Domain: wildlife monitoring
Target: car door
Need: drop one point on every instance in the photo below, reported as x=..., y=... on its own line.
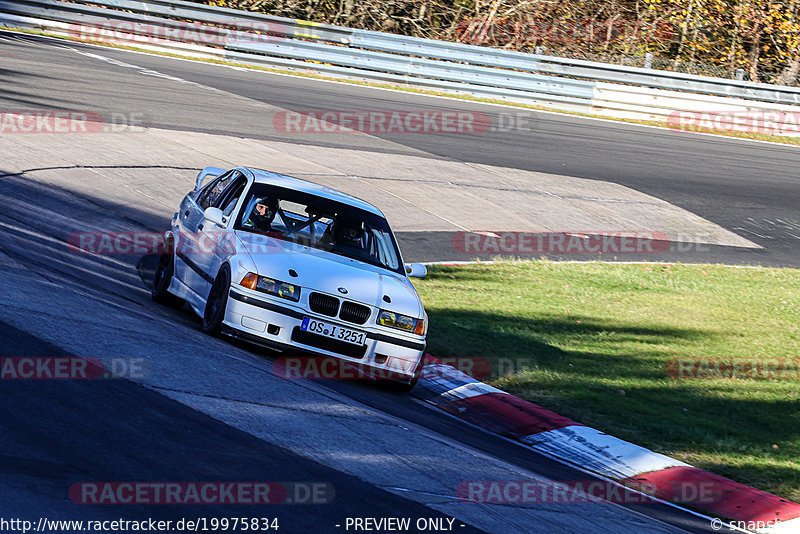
x=190, y=246
x=217, y=243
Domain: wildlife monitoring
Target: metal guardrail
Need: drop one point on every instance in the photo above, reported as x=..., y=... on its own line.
x=299, y=41
x=607, y=72
x=278, y=41
x=476, y=55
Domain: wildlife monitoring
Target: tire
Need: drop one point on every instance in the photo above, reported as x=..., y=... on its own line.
x=164, y=273
x=405, y=387
x=217, y=302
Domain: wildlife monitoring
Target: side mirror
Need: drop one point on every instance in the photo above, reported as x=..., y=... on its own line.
x=416, y=270
x=215, y=216
x=205, y=173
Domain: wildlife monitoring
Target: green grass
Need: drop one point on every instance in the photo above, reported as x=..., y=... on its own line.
x=772, y=138
x=592, y=341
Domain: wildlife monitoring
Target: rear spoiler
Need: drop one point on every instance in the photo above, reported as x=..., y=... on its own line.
x=205, y=173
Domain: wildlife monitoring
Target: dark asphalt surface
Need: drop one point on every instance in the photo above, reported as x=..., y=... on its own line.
x=57, y=433
x=60, y=432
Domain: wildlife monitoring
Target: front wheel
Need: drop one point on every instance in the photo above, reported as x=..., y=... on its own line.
x=164, y=273
x=404, y=387
x=217, y=302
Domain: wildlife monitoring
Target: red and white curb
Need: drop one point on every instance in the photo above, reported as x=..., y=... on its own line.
x=560, y=437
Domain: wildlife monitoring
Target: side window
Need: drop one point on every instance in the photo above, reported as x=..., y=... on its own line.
x=227, y=201
x=214, y=189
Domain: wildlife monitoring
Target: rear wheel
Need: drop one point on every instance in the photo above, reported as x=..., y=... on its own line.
x=217, y=302
x=165, y=270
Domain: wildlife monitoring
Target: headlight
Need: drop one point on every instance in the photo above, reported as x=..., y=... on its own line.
x=273, y=287
x=401, y=322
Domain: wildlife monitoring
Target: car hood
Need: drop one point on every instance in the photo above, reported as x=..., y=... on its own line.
x=330, y=273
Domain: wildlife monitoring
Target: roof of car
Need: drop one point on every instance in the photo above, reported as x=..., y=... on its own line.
x=290, y=182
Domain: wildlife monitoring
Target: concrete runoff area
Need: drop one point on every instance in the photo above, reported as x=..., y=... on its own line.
x=152, y=169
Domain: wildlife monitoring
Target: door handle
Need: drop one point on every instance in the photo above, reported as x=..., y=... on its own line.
x=186, y=213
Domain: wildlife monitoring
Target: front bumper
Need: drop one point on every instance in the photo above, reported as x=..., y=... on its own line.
x=258, y=318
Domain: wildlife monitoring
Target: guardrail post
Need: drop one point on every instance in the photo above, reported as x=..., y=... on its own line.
x=739, y=74
x=648, y=60
x=540, y=50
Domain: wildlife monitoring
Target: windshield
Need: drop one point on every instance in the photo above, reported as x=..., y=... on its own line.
x=320, y=223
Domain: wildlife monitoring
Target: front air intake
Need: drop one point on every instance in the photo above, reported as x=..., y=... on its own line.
x=354, y=313
x=324, y=304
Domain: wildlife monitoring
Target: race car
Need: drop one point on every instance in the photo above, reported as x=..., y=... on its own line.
x=291, y=264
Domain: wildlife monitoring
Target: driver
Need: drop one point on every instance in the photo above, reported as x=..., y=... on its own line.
x=349, y=233
x=263, y=213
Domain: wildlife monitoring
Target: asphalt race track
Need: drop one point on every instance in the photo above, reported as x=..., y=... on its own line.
x=209, y=410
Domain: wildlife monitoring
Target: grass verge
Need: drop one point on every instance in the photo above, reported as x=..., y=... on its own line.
x=410, y=89
x=599, y=343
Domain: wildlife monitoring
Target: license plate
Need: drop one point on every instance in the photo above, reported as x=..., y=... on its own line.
x=333, y=331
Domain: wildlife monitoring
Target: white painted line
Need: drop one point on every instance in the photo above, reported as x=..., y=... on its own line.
x=600, y=452
x=141, y=70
